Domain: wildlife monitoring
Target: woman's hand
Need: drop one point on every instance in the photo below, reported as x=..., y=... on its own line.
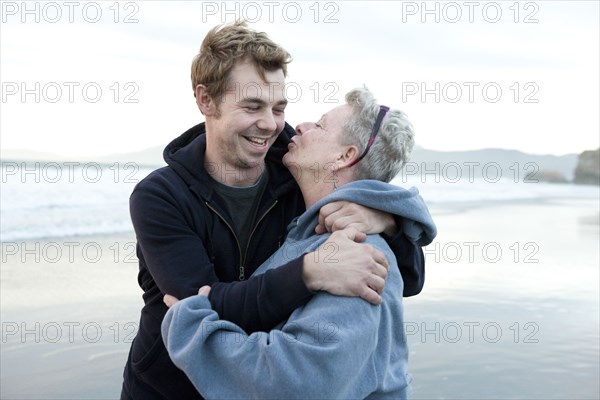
x=171, y=300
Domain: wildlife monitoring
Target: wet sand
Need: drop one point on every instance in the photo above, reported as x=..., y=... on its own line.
x=510, y=308
x=70, y=308
x=516, y=314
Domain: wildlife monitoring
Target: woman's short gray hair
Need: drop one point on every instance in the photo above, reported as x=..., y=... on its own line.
x=394, y=141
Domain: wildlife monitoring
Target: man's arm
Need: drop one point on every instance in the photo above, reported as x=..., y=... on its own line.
x=173, y=253
x=264, y=300
x=411, y=261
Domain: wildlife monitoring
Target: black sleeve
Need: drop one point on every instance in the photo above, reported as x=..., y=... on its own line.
x=173, y=253
x=264, y=300
x=411, y=261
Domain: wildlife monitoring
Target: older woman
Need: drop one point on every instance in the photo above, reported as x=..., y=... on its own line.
x=333, y=347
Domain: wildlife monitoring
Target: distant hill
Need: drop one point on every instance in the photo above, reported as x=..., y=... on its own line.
x=151, y=157
x=509, y=163
x=30, y=155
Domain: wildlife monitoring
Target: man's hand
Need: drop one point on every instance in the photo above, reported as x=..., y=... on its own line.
x=343, y=214
x=343, y=267
x=171, y=300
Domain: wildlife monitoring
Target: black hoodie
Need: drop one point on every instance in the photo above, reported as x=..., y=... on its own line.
x=185, y=241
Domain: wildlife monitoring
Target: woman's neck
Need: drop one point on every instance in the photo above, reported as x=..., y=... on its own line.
x=314, y=190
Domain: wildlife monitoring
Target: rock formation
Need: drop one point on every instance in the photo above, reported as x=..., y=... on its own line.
x=588, y=168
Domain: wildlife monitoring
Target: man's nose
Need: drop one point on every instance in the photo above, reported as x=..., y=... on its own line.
x=267, y=122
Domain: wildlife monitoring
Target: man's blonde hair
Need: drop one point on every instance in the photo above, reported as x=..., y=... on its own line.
x=226, y=45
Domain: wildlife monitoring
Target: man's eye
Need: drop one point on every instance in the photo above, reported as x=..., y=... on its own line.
x=252, y=108
x=279, y=110
x=318, y=125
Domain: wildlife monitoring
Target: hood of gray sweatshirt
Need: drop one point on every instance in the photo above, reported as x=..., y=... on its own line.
x=417, y=223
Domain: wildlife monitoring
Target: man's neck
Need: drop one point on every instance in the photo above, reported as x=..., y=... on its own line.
x=234, y=176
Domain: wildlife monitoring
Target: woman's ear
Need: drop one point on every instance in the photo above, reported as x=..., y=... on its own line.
x=347, y=157
x=206, y=104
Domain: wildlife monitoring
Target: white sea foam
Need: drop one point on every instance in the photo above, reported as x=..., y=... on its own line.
x=41, y=200
x=38, y=201
x=480, y=190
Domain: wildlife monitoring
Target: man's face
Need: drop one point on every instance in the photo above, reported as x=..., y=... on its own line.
x=251, y=115
x=317, y=144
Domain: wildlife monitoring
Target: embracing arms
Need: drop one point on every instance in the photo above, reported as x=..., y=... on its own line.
x=178, y=263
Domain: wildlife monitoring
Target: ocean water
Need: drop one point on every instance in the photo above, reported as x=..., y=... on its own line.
x=59, y=199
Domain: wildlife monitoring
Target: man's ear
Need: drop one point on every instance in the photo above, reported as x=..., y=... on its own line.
x=206, y=104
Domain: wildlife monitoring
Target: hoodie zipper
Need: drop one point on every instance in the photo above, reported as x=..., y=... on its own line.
x=242, y=269
x=252, y=233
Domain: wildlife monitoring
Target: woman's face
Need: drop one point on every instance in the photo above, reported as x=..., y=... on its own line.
x=317, y=144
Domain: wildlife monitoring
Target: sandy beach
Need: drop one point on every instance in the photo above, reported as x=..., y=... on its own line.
x=516, y=316
x=509, y=310
x=70, y=309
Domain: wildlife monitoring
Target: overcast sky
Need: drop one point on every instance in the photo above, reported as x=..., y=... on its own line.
x=93, y=78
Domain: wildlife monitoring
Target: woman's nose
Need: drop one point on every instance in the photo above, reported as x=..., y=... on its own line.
x=303, y=127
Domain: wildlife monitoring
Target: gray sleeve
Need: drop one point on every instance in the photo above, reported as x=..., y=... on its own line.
x=325, y=350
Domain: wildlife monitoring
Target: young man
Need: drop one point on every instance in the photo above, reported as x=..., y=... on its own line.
x=222, y=205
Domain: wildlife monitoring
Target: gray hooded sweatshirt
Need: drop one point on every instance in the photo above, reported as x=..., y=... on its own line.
x=334, y=347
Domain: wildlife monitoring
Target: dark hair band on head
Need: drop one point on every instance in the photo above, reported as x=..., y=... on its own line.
x=382, y=111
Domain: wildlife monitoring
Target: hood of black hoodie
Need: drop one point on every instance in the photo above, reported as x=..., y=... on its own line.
x=185, y=155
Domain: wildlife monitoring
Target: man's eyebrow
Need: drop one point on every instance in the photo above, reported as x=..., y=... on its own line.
x=252, y=100
x=258, y=100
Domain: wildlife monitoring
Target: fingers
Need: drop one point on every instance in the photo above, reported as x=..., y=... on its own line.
x=340, y=215
x=349, y=233
x=376, y=283
x=346, y=222
x=371, y=292
x=359, y=236
x=204, y=290
x=377, y=255
x=379, y=258
x=328, y=214
x=363, y=271
x=170, y=300
x=371, y=296
x=320, y=229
